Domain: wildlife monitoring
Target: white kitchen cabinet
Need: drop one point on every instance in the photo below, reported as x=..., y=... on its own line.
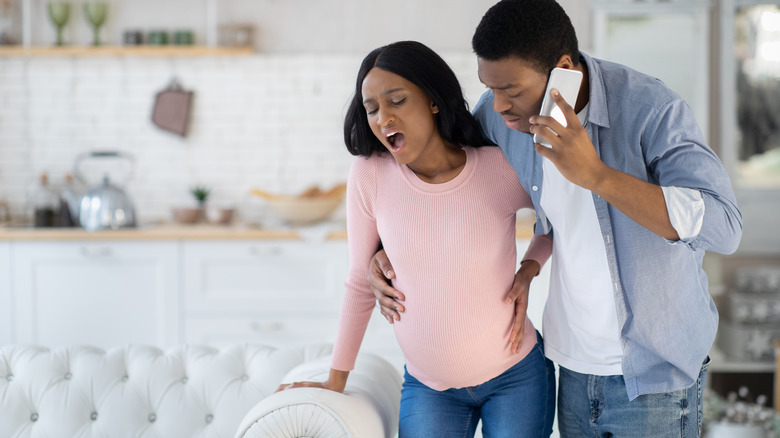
x=278, y=277
x=97, y=293
x=278, y=292
x=6, y=328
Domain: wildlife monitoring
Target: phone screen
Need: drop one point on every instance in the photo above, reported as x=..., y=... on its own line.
x=568, y=84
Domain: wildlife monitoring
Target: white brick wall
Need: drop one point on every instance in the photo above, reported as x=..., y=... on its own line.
x=267, y=121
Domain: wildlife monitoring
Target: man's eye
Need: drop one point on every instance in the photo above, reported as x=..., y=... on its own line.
x=513, y=96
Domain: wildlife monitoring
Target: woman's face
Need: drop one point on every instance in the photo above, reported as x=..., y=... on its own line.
x=400, y=115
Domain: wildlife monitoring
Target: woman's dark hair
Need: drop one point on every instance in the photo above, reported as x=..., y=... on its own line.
x=536, y=31
x=421, y=66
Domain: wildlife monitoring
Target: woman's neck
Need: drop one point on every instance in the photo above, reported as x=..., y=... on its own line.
x=440, y=166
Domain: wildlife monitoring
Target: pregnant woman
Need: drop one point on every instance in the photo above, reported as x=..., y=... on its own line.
x=442, y=201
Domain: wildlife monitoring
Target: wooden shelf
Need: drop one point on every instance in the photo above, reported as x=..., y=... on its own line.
x=722, y=364
x=106, y=51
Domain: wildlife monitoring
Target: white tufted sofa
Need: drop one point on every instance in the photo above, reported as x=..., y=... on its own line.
x=190, y=391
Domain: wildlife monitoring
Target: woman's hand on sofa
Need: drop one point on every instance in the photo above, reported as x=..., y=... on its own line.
x=337, y=381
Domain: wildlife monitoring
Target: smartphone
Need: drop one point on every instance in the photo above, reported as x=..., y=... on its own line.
x=568, y=84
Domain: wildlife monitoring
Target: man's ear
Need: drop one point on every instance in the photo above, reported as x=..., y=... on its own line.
x=565, y=61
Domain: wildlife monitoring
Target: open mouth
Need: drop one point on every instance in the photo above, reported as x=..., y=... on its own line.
x=396, y=140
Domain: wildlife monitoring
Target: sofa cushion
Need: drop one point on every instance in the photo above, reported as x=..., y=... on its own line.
x=138, y=391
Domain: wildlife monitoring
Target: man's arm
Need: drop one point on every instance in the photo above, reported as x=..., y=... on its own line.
x=574, y=156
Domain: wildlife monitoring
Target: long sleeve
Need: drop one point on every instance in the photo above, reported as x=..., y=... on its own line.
x=678, y=157
x=363, y=242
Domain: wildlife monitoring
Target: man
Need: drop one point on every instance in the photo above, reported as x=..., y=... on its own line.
x=634, y=197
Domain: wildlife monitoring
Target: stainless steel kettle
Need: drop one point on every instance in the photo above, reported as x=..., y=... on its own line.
x=105, y=206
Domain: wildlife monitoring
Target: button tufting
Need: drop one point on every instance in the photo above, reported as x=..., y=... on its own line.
x=124, y=378
x=68, y=376
x=152, y=418
x=244, y=377
x=9, y=377
x=184, y=380
x=93, y=416
x=209, y=418
x=34, y=416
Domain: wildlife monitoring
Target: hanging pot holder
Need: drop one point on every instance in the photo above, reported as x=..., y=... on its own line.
x=172, y=107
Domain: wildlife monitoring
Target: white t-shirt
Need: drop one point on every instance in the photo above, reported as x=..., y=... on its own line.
x=580, y=325
x=580, y=321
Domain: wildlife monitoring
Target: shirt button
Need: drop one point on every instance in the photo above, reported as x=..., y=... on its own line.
x=535, y=188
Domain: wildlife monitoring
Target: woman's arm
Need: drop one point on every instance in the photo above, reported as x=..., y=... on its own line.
x=337, y=381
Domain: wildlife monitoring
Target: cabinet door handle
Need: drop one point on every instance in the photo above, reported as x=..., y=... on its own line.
x=96, y=251
x=266, y=326
x=265, y=251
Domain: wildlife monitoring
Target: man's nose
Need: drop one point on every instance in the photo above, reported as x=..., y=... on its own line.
x=501, y=103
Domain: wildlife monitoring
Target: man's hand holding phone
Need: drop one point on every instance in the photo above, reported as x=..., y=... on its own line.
x=567, y=82
x=570, y=150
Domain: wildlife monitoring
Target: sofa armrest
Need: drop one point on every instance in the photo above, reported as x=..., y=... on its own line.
x=367, y=408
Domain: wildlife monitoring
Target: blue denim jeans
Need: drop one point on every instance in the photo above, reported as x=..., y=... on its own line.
x=597, y=406
x=518, y=403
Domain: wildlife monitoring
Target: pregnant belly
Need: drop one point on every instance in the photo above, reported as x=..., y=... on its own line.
x=450, y=349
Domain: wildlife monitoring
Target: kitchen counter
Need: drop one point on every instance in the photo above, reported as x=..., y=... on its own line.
x=168, y=231
x=158, y=232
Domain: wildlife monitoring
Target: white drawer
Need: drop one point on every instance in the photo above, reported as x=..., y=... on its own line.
x=263, y=276
x=277, y=332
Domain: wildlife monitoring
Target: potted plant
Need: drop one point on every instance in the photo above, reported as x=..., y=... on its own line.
x=201, y=194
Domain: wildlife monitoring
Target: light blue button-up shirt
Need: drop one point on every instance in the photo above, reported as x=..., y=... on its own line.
x=666, y=316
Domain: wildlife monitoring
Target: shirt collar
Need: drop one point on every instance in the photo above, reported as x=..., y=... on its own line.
x=598, y=114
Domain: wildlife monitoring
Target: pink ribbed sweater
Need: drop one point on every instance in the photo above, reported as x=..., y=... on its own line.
x=453, y=250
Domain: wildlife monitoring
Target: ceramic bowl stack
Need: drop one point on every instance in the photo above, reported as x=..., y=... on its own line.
x=751, y=321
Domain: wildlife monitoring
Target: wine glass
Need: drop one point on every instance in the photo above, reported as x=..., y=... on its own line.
x=96, y=13
x=59, y=12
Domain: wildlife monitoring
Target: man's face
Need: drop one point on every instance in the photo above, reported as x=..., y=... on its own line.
x=517, y=87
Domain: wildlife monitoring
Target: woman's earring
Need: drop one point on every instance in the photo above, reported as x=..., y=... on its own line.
x=435, y=109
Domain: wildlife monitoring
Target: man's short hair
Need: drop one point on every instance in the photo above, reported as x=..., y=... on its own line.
x=536, y=31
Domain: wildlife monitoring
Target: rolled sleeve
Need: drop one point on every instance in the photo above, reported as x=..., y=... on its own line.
x=686, y=211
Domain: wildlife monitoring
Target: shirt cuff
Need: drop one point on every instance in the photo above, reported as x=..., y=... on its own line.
x=686, y=210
